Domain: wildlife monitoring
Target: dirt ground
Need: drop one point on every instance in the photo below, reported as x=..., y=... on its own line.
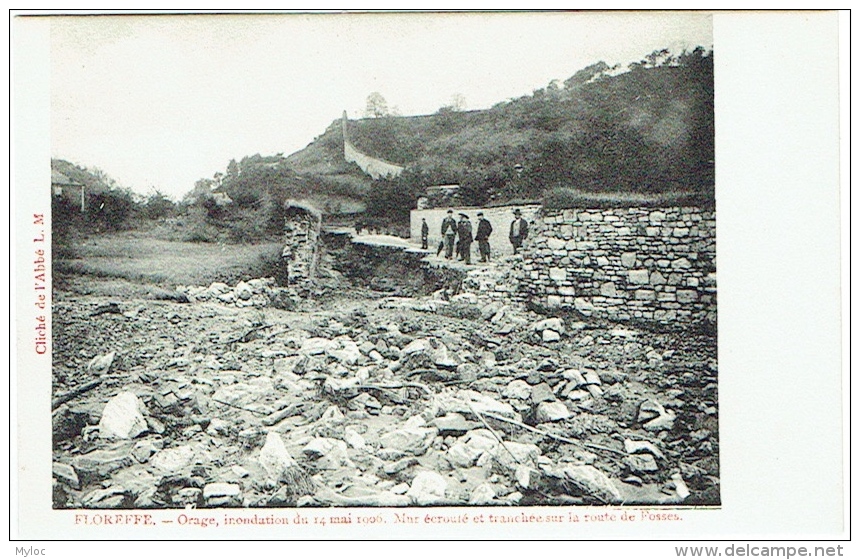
x=360, y=398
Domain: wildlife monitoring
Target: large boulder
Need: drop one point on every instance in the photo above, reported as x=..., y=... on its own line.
x=428, y=488
x=414, y=440
x=122, y=417
x=173, y=460
x=275, y=458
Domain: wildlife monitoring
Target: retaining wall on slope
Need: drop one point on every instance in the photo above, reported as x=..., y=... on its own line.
x=624, y=263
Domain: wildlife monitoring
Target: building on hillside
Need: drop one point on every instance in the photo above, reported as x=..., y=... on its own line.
x=61, y=185
x=439, y=196
x=220, y=196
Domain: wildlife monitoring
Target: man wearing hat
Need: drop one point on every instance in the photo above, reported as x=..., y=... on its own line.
x=464, y=242
x=483, y=237
x=449, y=231
x=519, y=231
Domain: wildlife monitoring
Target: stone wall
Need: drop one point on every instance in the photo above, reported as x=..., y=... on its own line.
x=301, y=242
x=376, y=168
x=624, y=264
x=500, y=218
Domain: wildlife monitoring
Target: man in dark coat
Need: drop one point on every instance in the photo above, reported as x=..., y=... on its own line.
x=483, y=237
x=425, y=231
x=464, y=232
x=519, y=231
x=449, y=232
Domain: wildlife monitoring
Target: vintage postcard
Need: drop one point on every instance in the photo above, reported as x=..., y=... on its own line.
x=485, y=275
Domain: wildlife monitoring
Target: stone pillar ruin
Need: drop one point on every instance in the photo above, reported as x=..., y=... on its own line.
x=302, y=225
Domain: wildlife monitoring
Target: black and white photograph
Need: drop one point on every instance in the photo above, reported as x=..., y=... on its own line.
x=381, y=269
x=492, y=287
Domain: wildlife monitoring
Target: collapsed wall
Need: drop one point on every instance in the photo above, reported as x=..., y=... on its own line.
x=624, y=263
x=393, y=269
x=302, y=225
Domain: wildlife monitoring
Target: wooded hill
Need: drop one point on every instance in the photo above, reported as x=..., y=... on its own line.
x=644, y=134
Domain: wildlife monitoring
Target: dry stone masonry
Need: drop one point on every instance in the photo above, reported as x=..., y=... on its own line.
x=624, y=263
x=301, y=242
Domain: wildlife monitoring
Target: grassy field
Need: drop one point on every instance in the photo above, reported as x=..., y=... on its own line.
x=133, y=258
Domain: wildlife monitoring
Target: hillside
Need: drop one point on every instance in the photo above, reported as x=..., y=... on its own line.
x=648, y=130
x=641, y=135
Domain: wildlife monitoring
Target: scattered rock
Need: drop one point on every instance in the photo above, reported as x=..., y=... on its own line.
x=97, y=465
x=632, y=446
x=663, y=422
x=398, y=466
x=317, y=346
x=414, y=440
x=468, y=402
x=354, y=439
x=553, y=323
x=327, y=453
x=550, y=335
x=107, y=498
x=100, y=365
x=427, y=488
x=221, y=494
x=420, y=446
x=517, y=389
x=482, y=494
x=551, y=412
x=641, y=463
x=143, y=450
x=173, y=460
x=541, y=393
x=275, y=458
x=680, y=486
x=66, y=474
x=243, y=291
x=511, y=454
x=648, y=410
x=453, y=424
x=122, y=417
x=593, y=483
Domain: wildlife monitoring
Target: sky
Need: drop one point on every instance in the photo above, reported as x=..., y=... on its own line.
x=158, y=102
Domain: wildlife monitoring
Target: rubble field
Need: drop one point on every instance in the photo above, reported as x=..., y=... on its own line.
x=367, y=399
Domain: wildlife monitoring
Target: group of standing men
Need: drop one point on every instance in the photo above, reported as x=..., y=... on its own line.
x=461, y=231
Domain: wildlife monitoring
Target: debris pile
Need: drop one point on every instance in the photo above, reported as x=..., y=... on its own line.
x=259, y=292
x=370, y=403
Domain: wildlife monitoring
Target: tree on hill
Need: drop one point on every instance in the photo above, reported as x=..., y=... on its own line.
x=377, y=106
